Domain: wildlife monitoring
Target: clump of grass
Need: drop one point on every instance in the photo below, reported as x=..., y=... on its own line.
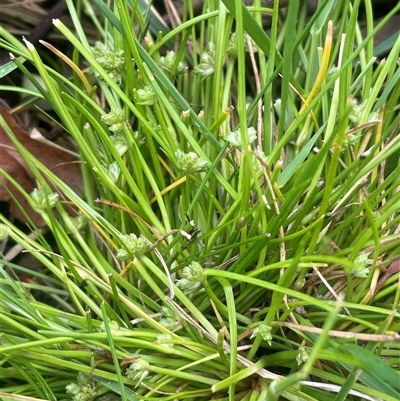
x=239, y=209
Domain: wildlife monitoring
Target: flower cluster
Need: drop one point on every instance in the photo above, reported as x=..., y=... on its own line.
x=361, y=268
x=303, y=354
x=207, y=61
x=232, y=46
x=84, y=390
x=138, y=370
x=115, y=119
x=190, y=163
x=120, y=143
x=357, y=111
x=351, y=140
x=145, y=96
x=170, y=319
x=168, y=62
x=42, y=200
x=112, y=61
x=235, y=137
x=113, y=171
x=192, y=278
x=264, y=330
x=133, y=246
x=77, y=224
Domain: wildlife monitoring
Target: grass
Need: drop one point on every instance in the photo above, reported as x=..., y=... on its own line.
x=230, y=253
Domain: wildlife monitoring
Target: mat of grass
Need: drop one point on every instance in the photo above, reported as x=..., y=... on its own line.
x=239, y=228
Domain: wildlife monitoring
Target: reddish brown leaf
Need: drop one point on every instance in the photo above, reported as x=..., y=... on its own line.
x=392, y=269
x=60, y=162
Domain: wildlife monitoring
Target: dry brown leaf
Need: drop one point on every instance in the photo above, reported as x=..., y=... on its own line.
x=60, y=162
x=392, y=269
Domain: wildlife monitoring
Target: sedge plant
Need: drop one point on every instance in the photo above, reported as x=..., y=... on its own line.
x=238, y=212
